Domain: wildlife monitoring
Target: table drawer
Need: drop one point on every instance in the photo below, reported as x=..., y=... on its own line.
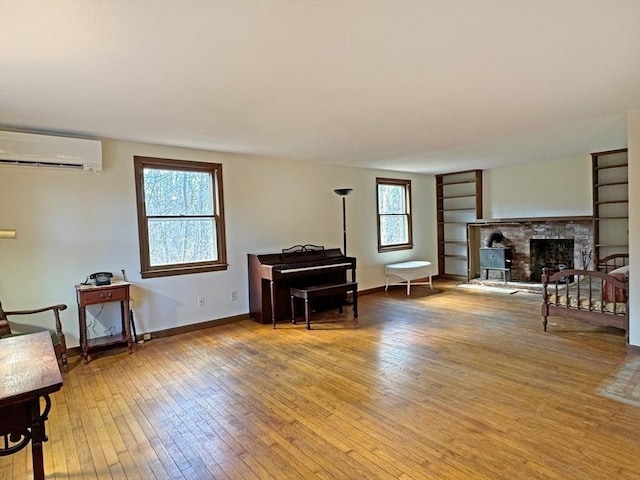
x=103, y=295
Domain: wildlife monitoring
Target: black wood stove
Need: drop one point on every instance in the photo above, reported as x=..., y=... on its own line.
x=496, y=258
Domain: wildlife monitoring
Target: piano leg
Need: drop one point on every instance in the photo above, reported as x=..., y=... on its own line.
x=355, y=302
x=273, y=303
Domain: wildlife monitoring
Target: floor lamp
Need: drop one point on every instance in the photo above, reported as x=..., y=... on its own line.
x=343, y=192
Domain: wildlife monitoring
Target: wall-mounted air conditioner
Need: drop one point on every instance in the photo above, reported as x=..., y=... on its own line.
x=36, y=150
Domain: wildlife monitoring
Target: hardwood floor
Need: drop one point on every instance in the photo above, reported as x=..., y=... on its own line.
x=449, y=384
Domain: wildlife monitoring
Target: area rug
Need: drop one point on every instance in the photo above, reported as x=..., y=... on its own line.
x=625, y=384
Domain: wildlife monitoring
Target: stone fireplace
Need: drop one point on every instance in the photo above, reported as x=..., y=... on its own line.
x=535, y=243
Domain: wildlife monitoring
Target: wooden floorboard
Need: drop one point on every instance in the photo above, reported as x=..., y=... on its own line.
x=444, y=384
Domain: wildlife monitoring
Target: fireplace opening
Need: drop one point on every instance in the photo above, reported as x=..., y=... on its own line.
x=554, y=254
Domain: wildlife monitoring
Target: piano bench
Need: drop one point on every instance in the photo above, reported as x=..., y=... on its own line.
x=309, y=293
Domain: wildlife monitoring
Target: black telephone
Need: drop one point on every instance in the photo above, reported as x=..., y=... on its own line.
x=101, y=278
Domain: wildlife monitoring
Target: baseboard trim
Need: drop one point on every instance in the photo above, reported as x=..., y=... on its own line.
x=633, y=349
x=369, y=291
x=169, y=332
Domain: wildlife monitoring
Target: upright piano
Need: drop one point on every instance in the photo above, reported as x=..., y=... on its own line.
x=271, y=276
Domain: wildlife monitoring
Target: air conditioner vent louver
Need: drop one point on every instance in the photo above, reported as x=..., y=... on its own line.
x=28, y=163
x=36, y=150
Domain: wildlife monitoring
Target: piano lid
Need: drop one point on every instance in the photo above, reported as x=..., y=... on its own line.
x=300, y=254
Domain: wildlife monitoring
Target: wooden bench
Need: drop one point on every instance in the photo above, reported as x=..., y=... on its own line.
x=309, y=293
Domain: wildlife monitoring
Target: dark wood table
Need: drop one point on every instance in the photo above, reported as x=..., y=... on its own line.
x=28, y=372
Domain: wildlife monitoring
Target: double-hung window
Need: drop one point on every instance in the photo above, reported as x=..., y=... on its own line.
x=180, y=216
x=394, y=214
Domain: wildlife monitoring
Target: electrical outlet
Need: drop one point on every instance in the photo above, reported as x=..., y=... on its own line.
x=146, y=336
x=234, y=295
x=201, y=301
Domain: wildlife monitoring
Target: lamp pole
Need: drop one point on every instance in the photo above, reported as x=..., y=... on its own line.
x=343, y=192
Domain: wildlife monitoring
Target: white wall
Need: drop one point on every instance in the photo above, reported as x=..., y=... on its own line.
x=72, y=223
x=633, y=133
x=557, y=188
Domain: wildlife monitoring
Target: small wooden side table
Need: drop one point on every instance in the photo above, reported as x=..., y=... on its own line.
x=93, y=295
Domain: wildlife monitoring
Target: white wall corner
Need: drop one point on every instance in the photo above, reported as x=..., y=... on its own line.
x=633, y=136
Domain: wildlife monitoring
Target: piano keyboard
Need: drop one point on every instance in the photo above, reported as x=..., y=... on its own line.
x=314, y=267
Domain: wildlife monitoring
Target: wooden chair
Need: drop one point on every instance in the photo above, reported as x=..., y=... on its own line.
x=9, y=328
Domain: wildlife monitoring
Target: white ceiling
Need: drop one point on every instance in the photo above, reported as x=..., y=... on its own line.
x=423, y=86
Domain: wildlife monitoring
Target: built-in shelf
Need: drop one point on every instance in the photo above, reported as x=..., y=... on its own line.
x=611, y=201
x=459, y=203
x=610, y=184
x=613, y=165
x=610, y=179
x=460, y=209
x=458, y=196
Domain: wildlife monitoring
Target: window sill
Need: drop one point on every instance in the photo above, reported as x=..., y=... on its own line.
x=392, y=248
x=167, y=272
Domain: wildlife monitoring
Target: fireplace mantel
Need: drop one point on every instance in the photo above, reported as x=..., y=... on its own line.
x=530, y=220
